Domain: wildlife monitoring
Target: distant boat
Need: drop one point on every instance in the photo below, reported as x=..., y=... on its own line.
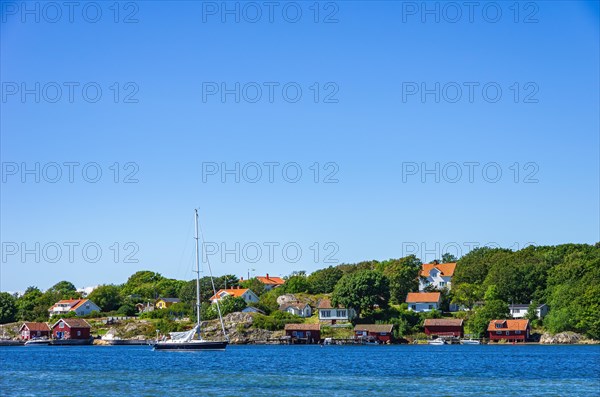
x=438, y=341
x=470, y=342
x=38, y=342
x=186, y=340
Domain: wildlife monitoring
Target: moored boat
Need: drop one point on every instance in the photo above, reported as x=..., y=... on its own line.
x=436, y=342
x=470, y=342
x=187, y=340
x=38, y=342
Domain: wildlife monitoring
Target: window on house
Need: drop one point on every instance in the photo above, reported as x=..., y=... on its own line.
x=325, y=313
x=518, y=332
x=430, y=307
x=498, y=325
x=498, y=332
x=414, y=307
x=61, y=325
x=442, y=283
x=341, y=313
x=507, y=332
x=78, y=333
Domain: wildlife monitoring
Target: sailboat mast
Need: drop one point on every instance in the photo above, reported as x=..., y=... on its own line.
x=197, y=273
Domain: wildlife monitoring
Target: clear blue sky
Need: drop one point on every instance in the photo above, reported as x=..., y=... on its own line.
x=377, y=135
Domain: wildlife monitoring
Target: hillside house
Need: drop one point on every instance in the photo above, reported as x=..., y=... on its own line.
x=81, y=307
x=333, y=315
x=245, y=293
x=423, y=301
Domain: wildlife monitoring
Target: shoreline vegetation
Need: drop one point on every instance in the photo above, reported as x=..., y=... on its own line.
x=565, y=277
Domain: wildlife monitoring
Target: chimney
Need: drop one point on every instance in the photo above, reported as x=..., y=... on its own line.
x=267, y=276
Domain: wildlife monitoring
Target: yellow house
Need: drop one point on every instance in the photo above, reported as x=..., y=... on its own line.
x=163, y=303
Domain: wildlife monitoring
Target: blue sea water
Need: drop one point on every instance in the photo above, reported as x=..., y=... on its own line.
x=508, y=370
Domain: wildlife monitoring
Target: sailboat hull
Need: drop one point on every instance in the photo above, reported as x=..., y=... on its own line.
x=204, y=345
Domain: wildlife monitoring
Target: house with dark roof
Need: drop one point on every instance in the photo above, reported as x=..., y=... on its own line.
x=381, y=333
x=303, y=333
x=297, y=309
x=509, y=330
x=436, y=275
x=444, y=327
x=81, y=307
x=333, y=315
x=423, y=301
x=31, y=330
x=521, y=310
x=163, y=303
x=71, y=328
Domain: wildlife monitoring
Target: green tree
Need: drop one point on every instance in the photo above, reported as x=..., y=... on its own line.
x=108, y=297
x=448, y=258
x=403, y=276
x=127, y=310
x=143, y=285
x=64, y=290
x=323, y=281
x=30, y=306
x=361, y=291
x=295, y=284
x=491, y=310
x=466, y=295
x=8, y=308
x=254, y=285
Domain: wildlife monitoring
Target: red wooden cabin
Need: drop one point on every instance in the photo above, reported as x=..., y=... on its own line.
x=71, y=328
x=510, y=330
x=444, y=327
x=381, y=332
x=34, y=330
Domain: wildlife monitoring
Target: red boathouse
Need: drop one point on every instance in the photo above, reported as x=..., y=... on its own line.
x=31, y=330
x=510, y=330
x=71, y=328
x=444, y=327
x=380, y=332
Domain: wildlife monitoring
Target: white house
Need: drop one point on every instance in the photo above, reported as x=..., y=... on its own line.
x=247, y=294
x=81, y=307
x=297, y=308
x=437, y=275
x=520, y=310
x=332, y=314
x=423, y=301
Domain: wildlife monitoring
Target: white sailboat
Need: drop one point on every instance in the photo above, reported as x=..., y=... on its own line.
x=188, y=340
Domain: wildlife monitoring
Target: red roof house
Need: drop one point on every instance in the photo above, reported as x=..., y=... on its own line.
x=31, y=330
x=247, y=294
x=423, y=301
x=71, y=328
x=81, y=307
x=510, y=330
x=444, y=327
x=270, y=282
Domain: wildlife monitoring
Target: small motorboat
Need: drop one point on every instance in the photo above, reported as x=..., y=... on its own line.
x=38, y=342
x=438, y=341
x=470, y=342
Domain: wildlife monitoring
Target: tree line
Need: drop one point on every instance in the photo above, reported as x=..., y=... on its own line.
x=565, y=277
